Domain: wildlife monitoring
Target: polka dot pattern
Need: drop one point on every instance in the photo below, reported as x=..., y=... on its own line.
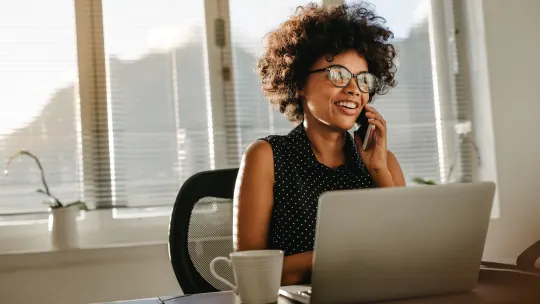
x=299, y=181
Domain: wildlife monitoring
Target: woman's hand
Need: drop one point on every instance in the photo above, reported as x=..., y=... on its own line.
x=375, y=156
x=381, y=163
x=297, y=268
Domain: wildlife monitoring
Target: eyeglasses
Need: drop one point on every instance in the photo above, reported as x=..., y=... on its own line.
x=340, y=77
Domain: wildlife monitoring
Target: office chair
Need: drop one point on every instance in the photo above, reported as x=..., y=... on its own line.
x=526, y=261
x=200, y=229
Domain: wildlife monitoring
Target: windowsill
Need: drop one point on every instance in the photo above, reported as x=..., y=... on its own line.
x=81, y=256
x=97, y=229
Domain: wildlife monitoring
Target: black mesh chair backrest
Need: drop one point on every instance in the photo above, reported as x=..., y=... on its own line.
x=200, y=229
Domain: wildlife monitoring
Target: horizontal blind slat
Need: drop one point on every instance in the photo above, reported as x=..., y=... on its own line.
x=38, y=70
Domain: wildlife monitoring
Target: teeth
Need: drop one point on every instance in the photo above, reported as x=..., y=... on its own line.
x=347, y=104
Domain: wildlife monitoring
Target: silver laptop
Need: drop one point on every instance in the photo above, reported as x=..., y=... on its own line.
x=396, y=243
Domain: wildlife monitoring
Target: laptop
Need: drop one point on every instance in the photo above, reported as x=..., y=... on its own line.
x=397, y=243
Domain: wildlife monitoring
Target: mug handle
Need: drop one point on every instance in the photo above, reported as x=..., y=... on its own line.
x=216, y=275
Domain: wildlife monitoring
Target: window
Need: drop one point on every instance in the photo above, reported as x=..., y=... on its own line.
x=39, y=101
x=157, y=97
x=409, y=108
x=169, y=108
x=417, y=134
x=256, y=118
x=423, y=141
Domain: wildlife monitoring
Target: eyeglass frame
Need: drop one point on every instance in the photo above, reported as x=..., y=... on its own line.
x=355, y=76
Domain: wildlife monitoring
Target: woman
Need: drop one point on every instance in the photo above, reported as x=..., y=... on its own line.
x=320, y=68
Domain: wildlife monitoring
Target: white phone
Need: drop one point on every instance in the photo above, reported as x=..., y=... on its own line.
x=365, y=129
x=368, y=138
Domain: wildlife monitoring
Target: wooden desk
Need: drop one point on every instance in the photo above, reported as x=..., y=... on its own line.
x=495, y=286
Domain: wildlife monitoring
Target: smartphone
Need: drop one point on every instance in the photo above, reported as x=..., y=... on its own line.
x=365, y=129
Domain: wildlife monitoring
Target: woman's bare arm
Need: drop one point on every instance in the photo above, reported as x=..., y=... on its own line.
x=254, y=198
x=253, y=202
x=395, y=170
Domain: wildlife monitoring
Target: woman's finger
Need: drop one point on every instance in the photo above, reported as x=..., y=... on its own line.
x=370, y=109
x=376, y=116
x=380, y=127
x=360, y=144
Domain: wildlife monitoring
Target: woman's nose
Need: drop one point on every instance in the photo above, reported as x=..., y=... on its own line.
x=352, y=88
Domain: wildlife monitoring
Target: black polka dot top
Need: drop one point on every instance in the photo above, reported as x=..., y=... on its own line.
x=299, y=181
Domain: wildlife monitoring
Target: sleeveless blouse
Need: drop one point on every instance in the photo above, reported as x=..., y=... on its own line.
x=299, y=180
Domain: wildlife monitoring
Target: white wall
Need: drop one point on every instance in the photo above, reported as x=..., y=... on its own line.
x=506, y=89
x=87, y=275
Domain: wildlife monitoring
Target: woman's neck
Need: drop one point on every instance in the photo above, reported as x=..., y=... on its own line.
x=327, y=144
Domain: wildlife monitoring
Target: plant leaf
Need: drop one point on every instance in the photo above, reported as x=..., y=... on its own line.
x=422, y=181
x=79, y=204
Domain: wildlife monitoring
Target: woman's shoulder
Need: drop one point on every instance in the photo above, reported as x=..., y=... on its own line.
x=273, y=147
x=258, y=159
x=259, y=150
x=264, y=148
x=268, y=149
x=282, y=145
x=276, y=139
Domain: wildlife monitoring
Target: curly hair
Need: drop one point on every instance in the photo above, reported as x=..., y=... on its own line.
x=319, y=30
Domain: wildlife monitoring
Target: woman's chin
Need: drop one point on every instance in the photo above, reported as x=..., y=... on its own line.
x=339, y=123
x=344, y=122
x=343, y=125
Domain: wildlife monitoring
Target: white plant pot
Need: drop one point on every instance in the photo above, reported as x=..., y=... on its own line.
x=63, y=228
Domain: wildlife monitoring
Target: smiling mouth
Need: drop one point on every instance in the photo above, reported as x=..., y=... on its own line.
x=347, y=105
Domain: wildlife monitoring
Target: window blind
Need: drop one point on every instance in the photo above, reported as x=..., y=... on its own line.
x=39, y=101
x=126, y=121
x=255, y=117
x=157, y=97
x=410, y=108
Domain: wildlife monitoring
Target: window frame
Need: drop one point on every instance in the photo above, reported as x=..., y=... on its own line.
x=94, y=96
x=94, y=100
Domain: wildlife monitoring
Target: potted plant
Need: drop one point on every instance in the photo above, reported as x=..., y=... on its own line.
x=463, y=130
x=62, y=216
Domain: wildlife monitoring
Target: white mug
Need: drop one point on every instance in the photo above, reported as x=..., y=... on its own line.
x=257, y=274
